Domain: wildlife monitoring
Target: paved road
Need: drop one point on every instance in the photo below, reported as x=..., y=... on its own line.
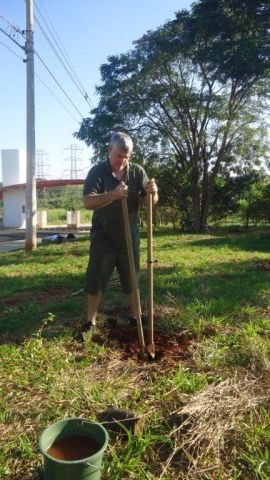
x=12, y=239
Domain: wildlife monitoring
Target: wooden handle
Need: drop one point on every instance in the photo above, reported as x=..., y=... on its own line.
x=150, y=309
x=133, y=277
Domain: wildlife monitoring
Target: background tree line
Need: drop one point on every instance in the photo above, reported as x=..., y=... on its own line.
x=194, y=95
x=245, y=197
x=68, y=197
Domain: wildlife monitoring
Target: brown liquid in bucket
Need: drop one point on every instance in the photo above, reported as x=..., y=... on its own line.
x=74, y=448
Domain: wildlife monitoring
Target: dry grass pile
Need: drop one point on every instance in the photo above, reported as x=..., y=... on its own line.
x=210, y=423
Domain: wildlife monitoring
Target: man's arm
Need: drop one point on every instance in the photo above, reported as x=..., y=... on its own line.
x=94, y=201
x=97, y=200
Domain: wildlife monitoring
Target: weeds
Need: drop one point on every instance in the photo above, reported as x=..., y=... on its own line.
x=206, y=416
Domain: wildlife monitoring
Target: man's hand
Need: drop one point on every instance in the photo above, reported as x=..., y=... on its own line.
x=150, y=186
x=94, y=201
x=121, y=191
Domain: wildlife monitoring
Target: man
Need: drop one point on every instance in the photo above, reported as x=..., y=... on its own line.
x=106, y=184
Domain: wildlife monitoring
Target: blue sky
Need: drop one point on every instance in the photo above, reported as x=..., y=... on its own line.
x=90, y=31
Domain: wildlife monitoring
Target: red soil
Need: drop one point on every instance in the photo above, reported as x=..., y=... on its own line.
x=172, y=346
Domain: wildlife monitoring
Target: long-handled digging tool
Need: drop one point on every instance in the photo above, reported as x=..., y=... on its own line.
x=150, y=311
x=133, y=278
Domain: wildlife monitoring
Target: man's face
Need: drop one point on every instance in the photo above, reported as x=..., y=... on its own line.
x=118, y=157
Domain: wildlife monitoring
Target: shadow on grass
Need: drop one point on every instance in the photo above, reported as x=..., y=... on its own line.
x=247, y=242
x=223, y=290
x=60, y=299
x=44, y=254
x=161, y=232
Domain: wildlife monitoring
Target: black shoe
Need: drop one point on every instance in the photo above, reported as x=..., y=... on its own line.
x=87, y=330
x=88, y=326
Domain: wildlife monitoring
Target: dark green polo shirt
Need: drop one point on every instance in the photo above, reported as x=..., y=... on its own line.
x=107, y=222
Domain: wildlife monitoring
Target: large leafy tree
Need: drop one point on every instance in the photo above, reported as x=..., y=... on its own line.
x=193, y=92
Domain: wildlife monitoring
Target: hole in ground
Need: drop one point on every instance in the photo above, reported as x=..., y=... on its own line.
x=173, y=346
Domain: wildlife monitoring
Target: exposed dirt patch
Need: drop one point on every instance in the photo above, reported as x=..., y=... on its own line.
x=169, y=347
x=121, y=311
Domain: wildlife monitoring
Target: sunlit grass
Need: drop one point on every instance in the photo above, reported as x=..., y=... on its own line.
x=214, y=288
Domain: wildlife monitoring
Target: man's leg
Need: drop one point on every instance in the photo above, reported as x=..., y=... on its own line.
x=93, y=302
x=100, y=267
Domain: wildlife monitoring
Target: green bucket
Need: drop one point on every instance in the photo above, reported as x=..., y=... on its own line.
x=83, y=469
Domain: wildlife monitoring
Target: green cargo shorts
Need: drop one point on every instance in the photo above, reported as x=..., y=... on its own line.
x=103, y=258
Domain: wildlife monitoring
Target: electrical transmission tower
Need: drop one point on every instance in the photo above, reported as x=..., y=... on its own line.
x=74, y=161
x=40, y=165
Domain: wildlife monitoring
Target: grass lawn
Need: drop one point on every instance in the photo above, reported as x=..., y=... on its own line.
x=204, y=409
x=58, y=216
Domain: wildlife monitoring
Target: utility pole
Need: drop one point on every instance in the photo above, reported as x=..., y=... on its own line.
x=31, y=195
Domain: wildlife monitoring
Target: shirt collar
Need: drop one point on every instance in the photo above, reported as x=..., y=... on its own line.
x=109, y=168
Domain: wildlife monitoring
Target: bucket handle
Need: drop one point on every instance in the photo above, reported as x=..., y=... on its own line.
x=91, y=465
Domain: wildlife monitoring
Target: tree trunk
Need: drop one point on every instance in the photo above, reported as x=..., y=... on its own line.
x=205, y=201
x=208, y=187
x=205, y=208
x=196, y=200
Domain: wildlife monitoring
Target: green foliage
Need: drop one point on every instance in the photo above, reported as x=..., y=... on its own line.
x=247, y=195
x=255, y=202
x=129, y=461
x=232, y=35
x=69, y=197
x=58, y=200
x=253, y=460
x=224, y=201
x=192, y=93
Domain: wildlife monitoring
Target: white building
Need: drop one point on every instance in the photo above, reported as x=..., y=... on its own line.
x=14, y=199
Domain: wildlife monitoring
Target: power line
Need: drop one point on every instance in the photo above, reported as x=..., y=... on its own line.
x=17, y=43
x=63, y=52
x=55, y=96
x=81, y=89
x=47, y=68
x=42, y=81
x=56, y=81
x=57, y=55
x=12, y=51
x=58, y=42
x=12, y=25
